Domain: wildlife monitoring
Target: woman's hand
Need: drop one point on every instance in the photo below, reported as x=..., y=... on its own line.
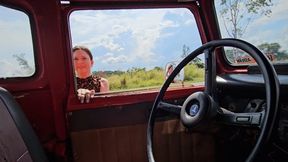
x=85, y=95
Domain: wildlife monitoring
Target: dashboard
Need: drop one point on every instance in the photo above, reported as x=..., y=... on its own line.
x=249, y=85
x=246, y=93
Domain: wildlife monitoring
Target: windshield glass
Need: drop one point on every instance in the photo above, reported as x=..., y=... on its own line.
x=138, y=52
x=264, y=23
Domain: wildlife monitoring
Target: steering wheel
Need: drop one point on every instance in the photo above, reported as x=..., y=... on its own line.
x=203, y=106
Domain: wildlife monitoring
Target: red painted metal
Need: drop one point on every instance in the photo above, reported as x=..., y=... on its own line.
x=50, y=93
x=128, y=98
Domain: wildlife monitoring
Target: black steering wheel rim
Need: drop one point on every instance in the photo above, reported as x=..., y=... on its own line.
x=270, y=80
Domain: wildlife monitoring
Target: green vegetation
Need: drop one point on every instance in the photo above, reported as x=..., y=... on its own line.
x=136, y=78
x=141, y=78
x=273, y=49
x=238, y=14
x=194, y=73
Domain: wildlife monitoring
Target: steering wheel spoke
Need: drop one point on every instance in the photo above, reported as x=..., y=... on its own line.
x=254, y=119
x=176, y=109
x=210, y=71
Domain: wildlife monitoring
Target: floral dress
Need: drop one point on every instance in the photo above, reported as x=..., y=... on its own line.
x=91, y=83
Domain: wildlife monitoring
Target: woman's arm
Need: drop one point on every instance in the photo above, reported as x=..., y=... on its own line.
x=104, y=85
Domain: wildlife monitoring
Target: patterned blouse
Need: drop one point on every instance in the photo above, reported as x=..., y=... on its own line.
x=90, y=83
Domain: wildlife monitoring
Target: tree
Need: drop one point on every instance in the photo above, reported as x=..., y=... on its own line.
x=23, y=63
x=274, y=48
x=185, y=51
x=237, y=15
x=158, y=68
x=269, y=47
x=197, y=61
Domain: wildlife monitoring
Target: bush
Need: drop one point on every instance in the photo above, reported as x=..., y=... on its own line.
x=140, y=77
x=192, y=73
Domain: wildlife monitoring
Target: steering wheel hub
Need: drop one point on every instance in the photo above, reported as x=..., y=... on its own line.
x=195, y=109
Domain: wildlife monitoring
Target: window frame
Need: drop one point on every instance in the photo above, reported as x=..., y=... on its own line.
x=38, y=61
x=237, y=67
x=131, y=97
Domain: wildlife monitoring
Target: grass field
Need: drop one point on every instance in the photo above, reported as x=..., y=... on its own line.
x=141, y=78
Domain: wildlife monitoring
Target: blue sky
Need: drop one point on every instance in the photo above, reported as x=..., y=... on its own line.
x=122, y=39
x=149, y=38
x=15, y=39
x=267, y=28
x=154, y=37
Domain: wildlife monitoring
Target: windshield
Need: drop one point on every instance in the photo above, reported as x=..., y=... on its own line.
x=264, y=23
x=133, y=53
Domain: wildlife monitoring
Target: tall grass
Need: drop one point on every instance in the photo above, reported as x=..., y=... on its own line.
x=193, y=73
x=140, y=77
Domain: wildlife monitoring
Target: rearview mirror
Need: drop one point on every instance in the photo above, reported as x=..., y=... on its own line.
x=168, y=70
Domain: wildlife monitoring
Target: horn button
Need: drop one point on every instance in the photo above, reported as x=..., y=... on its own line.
x=195, y=109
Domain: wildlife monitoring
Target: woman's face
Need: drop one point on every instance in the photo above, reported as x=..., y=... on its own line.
x=82, y=62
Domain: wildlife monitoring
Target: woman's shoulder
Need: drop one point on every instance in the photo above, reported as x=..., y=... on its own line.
x=103, y=79
x=104, y=85
x=96, y=77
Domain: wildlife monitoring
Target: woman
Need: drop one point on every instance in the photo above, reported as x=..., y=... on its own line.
x=87, y=83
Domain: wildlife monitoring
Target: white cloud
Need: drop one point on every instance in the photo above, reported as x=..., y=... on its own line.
x=189, y=22
x=8, y=69
x=279, y=12
x=104, y=41
x=15, y=37
x=93, y=30
x=182, y=12
x=283, y=38
x=110, y=58
x=272, y=36
x=260, y=32
x=15, y=40
x=103, y=30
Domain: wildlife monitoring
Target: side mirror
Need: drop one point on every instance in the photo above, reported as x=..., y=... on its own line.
x=168, y=70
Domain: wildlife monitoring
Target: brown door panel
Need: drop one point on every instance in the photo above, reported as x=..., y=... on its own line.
x=119, y=134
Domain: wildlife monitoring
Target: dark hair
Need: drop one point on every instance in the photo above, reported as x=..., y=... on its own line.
x=83, y=48
x=170, y=66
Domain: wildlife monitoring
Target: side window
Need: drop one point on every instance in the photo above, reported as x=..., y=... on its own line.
x=263, y=23
x=16, y=52
x=134, y=52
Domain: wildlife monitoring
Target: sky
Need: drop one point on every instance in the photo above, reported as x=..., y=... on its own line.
x=149, y=38
x=279, y=26
x=266, y=28
x=15, y=39
x=123, y=39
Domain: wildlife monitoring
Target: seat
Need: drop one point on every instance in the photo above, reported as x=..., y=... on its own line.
x=18, y=142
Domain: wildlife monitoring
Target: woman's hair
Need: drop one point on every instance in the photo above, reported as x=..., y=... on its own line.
x=170, y=66
x=83, y=48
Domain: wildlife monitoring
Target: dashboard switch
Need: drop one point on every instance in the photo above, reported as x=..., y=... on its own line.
x=243, y=119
